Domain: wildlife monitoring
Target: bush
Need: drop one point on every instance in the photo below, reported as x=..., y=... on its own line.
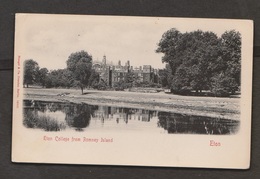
x=182, y=91
x=148, y=85
x=121, y=85
x=100, y=85
x=220, y=93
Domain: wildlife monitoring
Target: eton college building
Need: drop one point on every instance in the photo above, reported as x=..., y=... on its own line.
x=112, y=74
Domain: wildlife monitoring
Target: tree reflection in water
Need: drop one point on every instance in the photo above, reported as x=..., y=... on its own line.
x=56, y=116
x=77, y=116
x=32, y=118
x=176, y=123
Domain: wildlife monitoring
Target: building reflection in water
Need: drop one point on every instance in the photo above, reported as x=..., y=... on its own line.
x=56, y=116
x=122, y=114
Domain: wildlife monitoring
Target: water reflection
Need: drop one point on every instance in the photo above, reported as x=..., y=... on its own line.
x=187, y=124
x=78, y=116
x=56, y=116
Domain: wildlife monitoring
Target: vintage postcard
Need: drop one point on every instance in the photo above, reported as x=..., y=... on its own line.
x=135, y=91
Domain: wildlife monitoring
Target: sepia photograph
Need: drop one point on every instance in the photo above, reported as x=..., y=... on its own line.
x=146, y=91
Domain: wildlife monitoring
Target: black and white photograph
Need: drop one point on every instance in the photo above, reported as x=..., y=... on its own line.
x=145, y=91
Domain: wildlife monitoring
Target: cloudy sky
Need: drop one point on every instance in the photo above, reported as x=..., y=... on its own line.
x=50, y=39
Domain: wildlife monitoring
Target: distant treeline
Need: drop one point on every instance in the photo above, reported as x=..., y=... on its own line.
x=201, y=61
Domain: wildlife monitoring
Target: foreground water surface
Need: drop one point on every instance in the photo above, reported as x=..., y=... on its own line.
x=58, y=116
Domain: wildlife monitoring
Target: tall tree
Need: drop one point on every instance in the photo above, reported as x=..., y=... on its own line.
x=80, y=64
x=31, y=69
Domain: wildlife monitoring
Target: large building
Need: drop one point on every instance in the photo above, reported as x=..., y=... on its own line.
x=112, y=74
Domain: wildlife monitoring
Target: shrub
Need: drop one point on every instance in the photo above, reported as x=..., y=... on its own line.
x=101, y=85
x=121, y=85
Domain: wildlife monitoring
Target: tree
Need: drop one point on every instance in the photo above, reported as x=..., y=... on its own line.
x=52, y=79
x=42, y=76
x=121, y=85
x=222, y=84
x=60, y=78
x=31, y=69
x=93, y=79
x=226, y=70
x=197, y=58
x=101, y=85
x=181, y=81
x=188, y=56
x=231, y=49
x=80, y=64
x=130, y=77
x=169, y=46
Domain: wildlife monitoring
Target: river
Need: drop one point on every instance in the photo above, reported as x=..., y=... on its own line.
x=62, y=116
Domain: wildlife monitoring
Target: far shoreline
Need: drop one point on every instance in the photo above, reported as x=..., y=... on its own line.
x=224, y=108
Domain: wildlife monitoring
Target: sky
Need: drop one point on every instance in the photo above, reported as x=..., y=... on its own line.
x=50, y=39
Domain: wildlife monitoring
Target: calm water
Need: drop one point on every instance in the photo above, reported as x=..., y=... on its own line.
x=56, y=116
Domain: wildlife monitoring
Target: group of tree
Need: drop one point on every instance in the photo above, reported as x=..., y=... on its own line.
x=78, y=73
x=198, y=60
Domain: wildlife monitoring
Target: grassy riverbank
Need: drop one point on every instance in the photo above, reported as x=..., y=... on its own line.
x=206, y=106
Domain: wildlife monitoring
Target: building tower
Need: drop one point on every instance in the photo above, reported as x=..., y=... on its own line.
x=127, y=63
x=104, y=61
